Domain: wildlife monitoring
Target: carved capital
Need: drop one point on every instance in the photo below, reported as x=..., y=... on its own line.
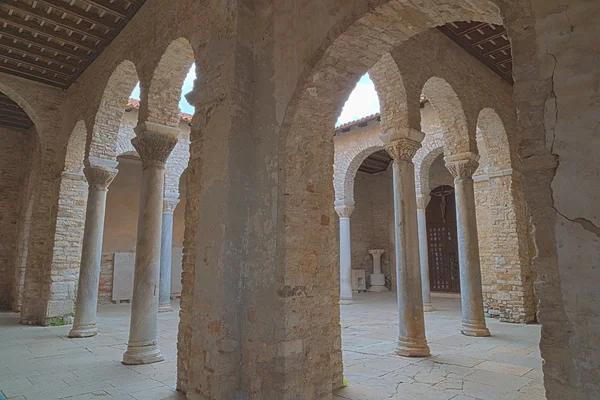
x=154, y=143
x=422, y=201
x=376, y=252
x=344, y=208
x=462, y=165
x=169, y=205
x=99, y=172
x=403, y=149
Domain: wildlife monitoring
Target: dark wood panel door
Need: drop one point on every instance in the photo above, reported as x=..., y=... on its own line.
x=444, y=274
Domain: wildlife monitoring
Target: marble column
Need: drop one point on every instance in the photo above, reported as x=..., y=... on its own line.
x=154, y=144
x=411, y=335
x=462, y=166
x=422, y=202
x=344, y=209
x=99, y=174
x=166, y=254
x=377, y=278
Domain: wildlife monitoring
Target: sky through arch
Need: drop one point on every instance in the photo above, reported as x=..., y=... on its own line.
x=363, y=100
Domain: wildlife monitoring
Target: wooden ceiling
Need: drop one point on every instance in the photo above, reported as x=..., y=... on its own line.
x=376, y=162
x=13, y=115
x=54, y=41
x=486, y=42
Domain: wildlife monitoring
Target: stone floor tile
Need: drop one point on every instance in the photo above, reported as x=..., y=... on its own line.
x=81, y=369
x=503, y=367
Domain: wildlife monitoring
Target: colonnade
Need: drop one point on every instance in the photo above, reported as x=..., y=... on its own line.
x=412, y=266
x=154, y=143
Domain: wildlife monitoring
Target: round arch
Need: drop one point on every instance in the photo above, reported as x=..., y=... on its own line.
x=450, y=111
x=496, y=152
x=165, y=88
x=76, y=148
x=103, y=142
x=346, y=165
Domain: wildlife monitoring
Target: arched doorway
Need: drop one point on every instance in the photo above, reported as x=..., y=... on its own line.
x=444, y=275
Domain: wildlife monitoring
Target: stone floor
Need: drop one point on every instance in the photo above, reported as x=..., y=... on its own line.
x=42, y=363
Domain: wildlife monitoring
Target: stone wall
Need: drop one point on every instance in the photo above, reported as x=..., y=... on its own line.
x=14, y=157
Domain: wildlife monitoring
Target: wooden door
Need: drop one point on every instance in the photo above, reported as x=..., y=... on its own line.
x=444, y=275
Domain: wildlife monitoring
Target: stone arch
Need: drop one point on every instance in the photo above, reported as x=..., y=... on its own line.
x=396, y=112
x=164, y=92
x=423, y=166
x=450, y=111
x=105, y=131
x=346, y=164
x=350, y=49
x=76, y=148
x=15, y=96
x=493, y=137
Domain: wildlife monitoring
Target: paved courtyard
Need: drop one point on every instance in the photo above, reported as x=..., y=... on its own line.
x=42, y=363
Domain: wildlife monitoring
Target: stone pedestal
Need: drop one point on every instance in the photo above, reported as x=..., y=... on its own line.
x=166, y=255
x=154, y=144
x=411, y=337
x=377, y=278
x=422, y=202
x=462, y=166
x=99, y=174
x=344, y=210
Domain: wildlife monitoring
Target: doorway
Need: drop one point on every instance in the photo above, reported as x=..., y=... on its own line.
x=444, y=274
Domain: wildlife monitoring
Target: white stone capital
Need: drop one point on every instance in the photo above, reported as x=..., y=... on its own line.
x=403, y=149
x=376, y=252
x=422, y=202
x=154, y=143
x=169, y=205
x=462, y=165
x=99, y=172
x=344, y=208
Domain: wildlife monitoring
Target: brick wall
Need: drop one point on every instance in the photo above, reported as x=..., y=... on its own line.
x=13, y=160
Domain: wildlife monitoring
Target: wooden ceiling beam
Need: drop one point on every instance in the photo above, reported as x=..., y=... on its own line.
x=51, y=47
x=36, y=64
x=79, y=13
x=496, y=50
x=487, y=39
x=33, y=52
x=51, y=18
x=45, y=31
x=108, y=7
x=12, y=111
x=19, y=126
x=471, y=29
x=36, y=77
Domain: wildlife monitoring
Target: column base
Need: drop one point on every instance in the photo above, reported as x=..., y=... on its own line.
x=377, y=289
x=136, y=355
x=83, y=331
x=408, y=347
x=346, y=302
x=427, y=307
x=165, y=308
x=477, y=329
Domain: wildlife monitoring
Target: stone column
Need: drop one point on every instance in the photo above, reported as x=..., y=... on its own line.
x=344, y=209
x=462, y=166
x=411, y=337
x=166, y=254
x=422, y=202
x=99, y=174
x=377, y=278
x=154, y=144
